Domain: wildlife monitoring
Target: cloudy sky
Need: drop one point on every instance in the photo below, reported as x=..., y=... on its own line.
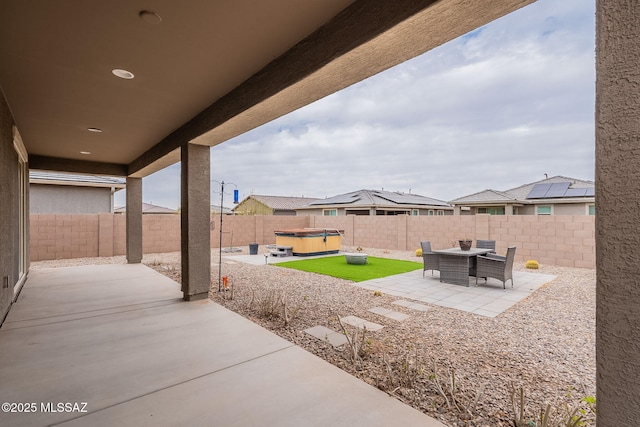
x=496, y=108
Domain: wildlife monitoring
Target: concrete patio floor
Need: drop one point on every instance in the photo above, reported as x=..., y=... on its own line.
x=120, y=339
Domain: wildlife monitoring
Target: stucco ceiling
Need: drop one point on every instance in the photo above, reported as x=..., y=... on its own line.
x=200, y=66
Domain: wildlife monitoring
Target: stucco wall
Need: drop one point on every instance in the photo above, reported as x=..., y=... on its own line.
x=9, y=228
x=58, y=199
x=570, y=209
x=618, y=217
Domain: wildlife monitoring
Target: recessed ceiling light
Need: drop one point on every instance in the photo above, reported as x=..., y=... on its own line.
x=96, y=130
x=85, y=152
x=123, y=74
x=150, y=17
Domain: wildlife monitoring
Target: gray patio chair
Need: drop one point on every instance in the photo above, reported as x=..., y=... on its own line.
x=430, y=260
x=486, y=244
x=496, y=266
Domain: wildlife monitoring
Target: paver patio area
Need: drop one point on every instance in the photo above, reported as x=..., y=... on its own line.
x=120, y=339
x=486, y=299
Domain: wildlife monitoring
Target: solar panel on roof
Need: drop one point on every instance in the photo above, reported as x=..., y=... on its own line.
x=541, y=187
x=538, y=191
x=337, y=200
x=576, y=192
x=557, y=190
x=536, y=194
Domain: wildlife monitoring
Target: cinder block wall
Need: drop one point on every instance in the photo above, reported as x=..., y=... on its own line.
x=63, y=236
x=565, y=240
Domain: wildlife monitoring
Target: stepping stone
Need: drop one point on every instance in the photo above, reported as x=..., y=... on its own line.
x=334, y=338
x=412, y=305
x=390, y=314
x=361, y=323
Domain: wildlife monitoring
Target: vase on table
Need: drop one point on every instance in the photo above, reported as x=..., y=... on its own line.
x=465, y=245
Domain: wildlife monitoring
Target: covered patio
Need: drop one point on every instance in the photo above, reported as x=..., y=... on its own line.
x=119, y=341
x=194, y=77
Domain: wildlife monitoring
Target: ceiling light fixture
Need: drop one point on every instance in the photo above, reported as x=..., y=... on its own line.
x=85, y=152
x=95, y=130
x=150, y=17
x=123, y=74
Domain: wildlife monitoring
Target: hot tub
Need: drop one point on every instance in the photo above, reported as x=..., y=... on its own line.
x=310, y=241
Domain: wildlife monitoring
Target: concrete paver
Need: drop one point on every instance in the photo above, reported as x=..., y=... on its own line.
x=361, y=323
x=487, y=299
x=323, y=333
x=412, y=305
x=389, y=314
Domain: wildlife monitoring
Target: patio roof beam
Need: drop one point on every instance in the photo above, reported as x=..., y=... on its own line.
x=76, y=166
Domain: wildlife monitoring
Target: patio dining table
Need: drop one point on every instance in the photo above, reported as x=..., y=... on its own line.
x=457, y=265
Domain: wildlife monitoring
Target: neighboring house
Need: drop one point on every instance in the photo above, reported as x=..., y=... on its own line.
x=148, y=208
x=558, y=195
x=215, y=210
x=271, y=205
x=64, y=193
x=376, y=202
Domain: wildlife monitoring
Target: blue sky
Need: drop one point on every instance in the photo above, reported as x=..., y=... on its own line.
x=496, y=108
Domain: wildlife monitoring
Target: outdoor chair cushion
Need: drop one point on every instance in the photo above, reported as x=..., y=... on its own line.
x=498, y=267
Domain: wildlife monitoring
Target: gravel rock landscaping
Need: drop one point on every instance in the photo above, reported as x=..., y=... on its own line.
x=452, y=365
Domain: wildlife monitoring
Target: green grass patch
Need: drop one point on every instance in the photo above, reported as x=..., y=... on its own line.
x=336, y=266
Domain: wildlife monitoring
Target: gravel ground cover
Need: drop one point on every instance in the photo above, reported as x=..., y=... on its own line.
x=455, y=366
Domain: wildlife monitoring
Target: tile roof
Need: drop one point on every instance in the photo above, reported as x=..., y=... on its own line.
x=380, y=198
x=282, y=202
x=149, y=208
x=518, y=194
x=42, y=177
x=522, y=191
x=485, y=196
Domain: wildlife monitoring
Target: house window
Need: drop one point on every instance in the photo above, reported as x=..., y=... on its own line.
x=431, y=212
x=440, y=213
x=329, y=212
x=491, y=210
x=543, y=210
x=415, y=212
x=591, y=209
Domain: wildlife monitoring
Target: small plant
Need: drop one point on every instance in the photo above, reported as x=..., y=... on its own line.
x=455, y=395
x=406, y=372
x=418, y=252
x=377, y=293
x=358, y=344
x=581, y=415
x=274, y=305
x=532, y=264
x=359, y=249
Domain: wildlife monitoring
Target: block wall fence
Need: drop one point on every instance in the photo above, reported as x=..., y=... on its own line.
x=566, y=240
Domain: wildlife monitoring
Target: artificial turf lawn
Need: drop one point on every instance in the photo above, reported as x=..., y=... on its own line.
x=336, y=266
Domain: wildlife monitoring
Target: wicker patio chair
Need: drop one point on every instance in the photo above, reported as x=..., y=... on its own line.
x=486, y=244
x=496, y=266
x=431, y=261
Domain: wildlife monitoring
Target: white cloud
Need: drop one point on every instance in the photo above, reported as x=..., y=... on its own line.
x=497, y=108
